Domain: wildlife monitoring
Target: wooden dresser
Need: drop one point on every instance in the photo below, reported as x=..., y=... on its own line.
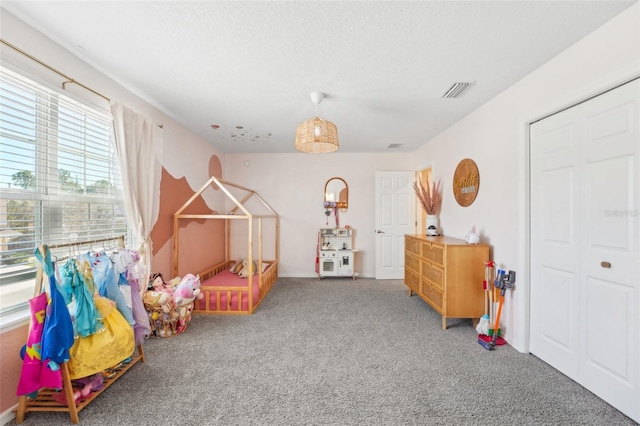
x=447, y=273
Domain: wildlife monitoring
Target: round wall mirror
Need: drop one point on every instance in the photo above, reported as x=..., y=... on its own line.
x=336, y=191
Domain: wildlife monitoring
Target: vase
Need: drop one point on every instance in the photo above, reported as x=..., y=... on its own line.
x=432, y=225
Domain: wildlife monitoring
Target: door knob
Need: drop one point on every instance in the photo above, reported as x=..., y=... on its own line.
x=379, y=232
x=605, y=264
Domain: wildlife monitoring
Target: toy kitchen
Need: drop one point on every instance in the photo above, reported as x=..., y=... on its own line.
x=336, y=253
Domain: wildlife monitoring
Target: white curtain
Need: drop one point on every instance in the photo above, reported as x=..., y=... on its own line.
x=138, y=142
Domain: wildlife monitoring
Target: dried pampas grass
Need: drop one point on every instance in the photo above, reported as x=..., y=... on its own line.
x=430, y=197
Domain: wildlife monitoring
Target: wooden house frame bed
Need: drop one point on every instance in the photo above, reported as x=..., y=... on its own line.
x=224, y=292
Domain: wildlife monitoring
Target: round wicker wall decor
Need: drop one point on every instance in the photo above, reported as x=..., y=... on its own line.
x=466, y=182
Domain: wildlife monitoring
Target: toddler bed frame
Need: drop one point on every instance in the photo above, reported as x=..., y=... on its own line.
x=224, y=292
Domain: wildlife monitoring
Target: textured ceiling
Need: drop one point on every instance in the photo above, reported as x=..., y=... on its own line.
x=249, y=67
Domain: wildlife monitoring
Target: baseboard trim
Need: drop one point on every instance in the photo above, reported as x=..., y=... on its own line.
x=8, y=415
x=316, y=276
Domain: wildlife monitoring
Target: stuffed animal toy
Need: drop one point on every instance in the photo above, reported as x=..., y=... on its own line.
x=244, y=272
x=473, y=237
x=157, y=300
x=187, y=291
x=172, y=283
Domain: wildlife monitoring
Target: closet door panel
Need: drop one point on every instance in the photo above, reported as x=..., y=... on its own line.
x=557, y=221
x=609, y=203
x=610, y=266
x=608, y=348
x=554, y=236
x=558, y=329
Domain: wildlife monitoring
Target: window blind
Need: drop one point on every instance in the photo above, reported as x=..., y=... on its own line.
x=59, y=179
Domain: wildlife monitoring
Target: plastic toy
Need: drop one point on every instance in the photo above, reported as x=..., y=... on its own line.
x=187, y=291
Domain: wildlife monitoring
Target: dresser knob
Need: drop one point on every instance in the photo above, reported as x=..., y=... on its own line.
x=605, y=264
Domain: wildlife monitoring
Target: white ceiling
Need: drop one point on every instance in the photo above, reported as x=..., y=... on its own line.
x=383, y=65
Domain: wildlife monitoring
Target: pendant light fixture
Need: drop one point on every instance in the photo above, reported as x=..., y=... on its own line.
x=317, y=135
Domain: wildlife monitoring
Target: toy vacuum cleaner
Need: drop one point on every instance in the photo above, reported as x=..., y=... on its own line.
x=503, y=282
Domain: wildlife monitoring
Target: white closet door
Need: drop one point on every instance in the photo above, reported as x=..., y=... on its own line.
x=609, y=225
x=555, y=241
x=585, y=255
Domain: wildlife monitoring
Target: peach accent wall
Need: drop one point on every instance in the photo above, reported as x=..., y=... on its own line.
x=201, y=245
x=10, y=344
x=201, y=241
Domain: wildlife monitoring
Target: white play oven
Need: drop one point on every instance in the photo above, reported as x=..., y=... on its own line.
x=335, y=263
x=336, y=253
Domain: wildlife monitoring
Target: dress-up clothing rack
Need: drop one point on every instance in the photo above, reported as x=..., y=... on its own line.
x=44, y=401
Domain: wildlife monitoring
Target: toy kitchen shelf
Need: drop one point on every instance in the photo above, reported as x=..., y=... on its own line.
x=336, y=254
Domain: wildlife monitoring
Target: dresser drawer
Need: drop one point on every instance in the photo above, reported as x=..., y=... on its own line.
x=433, y=274
x=412, y=263
x=412, y=280
x=433, y=252
x=433, y=296
x=412, y=245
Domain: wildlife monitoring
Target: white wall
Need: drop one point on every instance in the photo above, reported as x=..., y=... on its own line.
x=293, y=184
x=495, y=137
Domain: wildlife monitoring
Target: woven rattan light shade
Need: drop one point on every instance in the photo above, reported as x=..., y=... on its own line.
x=317, y=136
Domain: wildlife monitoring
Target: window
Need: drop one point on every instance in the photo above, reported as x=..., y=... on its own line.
x=59, y=180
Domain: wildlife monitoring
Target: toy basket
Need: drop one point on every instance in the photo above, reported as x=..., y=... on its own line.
x=166, y=324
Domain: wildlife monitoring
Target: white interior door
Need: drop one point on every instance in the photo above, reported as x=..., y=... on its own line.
x=395, y=217
x=585, y=232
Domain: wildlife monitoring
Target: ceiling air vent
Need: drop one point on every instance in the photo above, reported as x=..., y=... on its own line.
x=394, y=145
x=456, y=90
